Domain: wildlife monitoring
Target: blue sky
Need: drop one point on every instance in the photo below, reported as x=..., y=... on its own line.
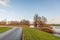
x=26, y=9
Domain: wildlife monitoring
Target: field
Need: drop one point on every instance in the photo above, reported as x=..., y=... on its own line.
x=3, y=29
x=34, y=34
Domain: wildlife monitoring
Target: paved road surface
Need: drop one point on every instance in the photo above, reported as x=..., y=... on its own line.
x=13, y=34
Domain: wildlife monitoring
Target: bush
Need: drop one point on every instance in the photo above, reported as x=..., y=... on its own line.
x=47, y=29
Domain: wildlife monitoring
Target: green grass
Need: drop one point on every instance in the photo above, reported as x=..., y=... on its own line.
x=3, y=29
x=34, y=34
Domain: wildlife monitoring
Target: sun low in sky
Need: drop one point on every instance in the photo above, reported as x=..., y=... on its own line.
x=26, y=9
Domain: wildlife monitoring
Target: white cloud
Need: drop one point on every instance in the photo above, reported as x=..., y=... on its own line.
x=55, y=20
x=4, y=2
x=2, y=10
x=31, y=21
x=9, y=15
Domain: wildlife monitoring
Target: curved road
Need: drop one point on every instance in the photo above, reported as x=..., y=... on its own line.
x=14, y=34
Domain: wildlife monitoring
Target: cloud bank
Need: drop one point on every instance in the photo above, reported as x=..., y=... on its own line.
x=55, y=20
x=4, y=2
x=3, y=10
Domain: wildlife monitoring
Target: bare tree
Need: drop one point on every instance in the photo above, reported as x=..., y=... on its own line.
x=37, y=20
x=40, y=23
x=25, y=22
x=44, y=19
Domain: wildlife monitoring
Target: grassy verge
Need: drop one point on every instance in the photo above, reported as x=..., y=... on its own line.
x=33, y=34
x=3, y=29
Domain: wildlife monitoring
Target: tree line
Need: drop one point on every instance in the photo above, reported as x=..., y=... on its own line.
x=38, y=22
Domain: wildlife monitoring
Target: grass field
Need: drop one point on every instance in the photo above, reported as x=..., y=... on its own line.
x=34, y=34
x=3, y=29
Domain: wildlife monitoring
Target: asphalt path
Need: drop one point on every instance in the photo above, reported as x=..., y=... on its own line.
x=14, y=34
